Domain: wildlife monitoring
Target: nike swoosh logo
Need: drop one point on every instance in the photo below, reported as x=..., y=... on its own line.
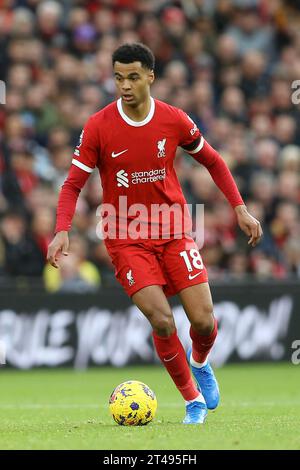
x=195, y=275
x=114, y=155
x=168, y=360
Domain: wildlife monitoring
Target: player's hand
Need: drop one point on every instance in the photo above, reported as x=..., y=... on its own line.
x=249, y=225
x=59, y=244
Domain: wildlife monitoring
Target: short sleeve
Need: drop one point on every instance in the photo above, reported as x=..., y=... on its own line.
x=189, y=131
x=87, y=150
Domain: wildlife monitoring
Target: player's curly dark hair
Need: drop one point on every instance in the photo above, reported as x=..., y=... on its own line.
x=135, y=52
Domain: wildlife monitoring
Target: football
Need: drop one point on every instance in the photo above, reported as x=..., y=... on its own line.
x=132, y=403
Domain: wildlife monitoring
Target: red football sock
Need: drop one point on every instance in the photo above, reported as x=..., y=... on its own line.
x=203, y=344
x=172, y=355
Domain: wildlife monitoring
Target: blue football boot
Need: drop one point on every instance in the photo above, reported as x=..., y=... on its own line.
x=196, y=413
x=207, y=383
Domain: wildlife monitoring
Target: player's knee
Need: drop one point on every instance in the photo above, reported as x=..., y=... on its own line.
x=162, y=324
x=164, y=330
x=204, y=321
x=161, y=320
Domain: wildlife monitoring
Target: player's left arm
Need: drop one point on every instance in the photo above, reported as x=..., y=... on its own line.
x=204, y=153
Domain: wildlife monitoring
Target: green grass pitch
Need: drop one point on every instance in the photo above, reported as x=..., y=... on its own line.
x=66, y=409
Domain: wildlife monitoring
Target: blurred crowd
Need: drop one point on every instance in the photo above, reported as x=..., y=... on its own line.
x=230, y=64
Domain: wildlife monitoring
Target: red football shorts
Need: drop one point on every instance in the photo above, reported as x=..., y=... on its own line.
x=174, y=264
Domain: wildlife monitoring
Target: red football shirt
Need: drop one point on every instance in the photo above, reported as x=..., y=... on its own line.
x=135, y=160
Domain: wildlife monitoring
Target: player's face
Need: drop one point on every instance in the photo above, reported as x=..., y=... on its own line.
x=133, y=82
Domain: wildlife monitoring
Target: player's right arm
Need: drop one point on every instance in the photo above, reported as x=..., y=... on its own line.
x=86, y=155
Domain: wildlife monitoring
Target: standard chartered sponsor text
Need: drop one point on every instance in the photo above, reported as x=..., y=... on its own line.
x=150, y=176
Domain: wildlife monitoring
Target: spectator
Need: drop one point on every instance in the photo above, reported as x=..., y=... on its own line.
x=77, y=274
x=22, y=256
